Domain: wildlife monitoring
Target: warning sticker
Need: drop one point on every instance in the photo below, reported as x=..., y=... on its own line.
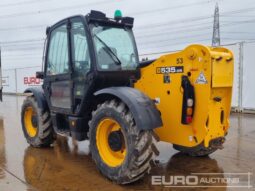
x=201, y=79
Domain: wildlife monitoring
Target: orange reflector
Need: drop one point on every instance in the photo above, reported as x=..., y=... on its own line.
x=189, y=111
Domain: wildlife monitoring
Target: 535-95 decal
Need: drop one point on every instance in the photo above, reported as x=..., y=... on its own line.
x=169, y=69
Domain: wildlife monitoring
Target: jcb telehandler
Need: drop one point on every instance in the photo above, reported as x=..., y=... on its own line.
x=95, y=88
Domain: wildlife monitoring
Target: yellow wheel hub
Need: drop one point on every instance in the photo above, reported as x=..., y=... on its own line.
x=31, y=128
x=110, y=157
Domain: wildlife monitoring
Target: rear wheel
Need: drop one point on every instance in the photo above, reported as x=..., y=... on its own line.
x=122, y=152
x=36, y=124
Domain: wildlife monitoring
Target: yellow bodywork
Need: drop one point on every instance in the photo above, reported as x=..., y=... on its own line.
x=210, y=71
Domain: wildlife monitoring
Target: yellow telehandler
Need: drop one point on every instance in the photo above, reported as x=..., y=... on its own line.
x=95, y=88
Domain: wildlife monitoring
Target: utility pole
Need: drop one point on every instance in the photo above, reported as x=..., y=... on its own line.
x=216, y=27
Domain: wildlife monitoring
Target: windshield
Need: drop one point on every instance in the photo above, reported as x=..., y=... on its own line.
x=115, y=48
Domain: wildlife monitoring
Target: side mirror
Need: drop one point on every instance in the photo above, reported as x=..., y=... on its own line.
x=47, y=30
x=1, y=93
x=40, y=75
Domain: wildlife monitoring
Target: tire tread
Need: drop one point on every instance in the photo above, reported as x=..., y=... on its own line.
x=143, y=149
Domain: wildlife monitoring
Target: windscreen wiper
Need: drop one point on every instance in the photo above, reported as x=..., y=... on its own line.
x=109, y=51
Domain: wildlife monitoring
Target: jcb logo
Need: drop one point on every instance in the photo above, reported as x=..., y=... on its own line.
x=32, y=81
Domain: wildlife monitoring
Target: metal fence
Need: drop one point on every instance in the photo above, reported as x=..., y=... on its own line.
x=244, y=76
x=17, y=80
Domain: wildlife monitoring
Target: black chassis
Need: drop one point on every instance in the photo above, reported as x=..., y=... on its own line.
x=101, y=85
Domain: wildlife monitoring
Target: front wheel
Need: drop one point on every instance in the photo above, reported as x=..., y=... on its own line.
x=36, y=124
x=121, y=151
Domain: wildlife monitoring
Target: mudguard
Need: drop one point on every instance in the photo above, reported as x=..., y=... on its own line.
x=143, y=109
x=39, y=96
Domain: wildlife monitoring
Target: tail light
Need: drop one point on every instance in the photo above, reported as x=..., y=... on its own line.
x=188, y=101
x=188, y=119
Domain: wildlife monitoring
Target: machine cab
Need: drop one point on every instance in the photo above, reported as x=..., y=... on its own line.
x=83, y=56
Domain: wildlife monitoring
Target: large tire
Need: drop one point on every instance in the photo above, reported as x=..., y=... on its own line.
x=139, y=144
x=38, y=130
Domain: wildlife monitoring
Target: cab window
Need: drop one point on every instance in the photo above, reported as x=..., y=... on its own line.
x=58, y=57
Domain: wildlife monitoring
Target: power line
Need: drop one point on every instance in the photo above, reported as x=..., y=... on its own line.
x=239, y=16
x=190, y=42
x=23, y=49
x=102, y=2
x=242, y=22
x=19, y=55
x=241, y=39
x=30, y=47
x=53, y=9
x=137, y=28
x=197, y=18
x=145, y=35
x=225, y=24
x=168, y=32
x=23, y=58
x=184, y=27
x=22, y=3
x=174, y=39
x=33, y=45
x=22, y=27
x=161, y=52
x=196, y=29
x=239, y=11
x=237, y=32
x=11, y=43
x=151, y=26
x=168, y=8
x=22, y=41
x=169, y=51
x=170, y=23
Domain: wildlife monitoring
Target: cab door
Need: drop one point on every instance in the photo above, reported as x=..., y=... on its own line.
x=58, y=83
x=80, y=60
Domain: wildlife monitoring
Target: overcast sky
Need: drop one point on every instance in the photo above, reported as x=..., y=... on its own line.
x=160, y=25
